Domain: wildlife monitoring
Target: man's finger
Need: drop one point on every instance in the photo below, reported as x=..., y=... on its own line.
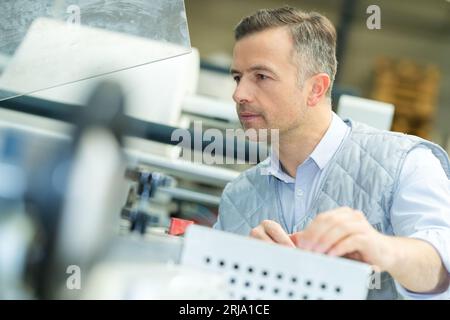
x=346, y=246
x=336, y=234
x=295, y=238
x=276, y=232
x=322, y=224
x=259, y=233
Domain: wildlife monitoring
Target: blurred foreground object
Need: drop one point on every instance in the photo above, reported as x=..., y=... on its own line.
x=43, y=45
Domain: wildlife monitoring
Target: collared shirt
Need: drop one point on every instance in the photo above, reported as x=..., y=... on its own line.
x=421, y=204
x=308, y=174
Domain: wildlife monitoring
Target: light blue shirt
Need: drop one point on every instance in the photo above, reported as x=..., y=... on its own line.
x=421, y=205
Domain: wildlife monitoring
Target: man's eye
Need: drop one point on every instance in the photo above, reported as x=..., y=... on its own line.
x=261, y=76
x=237, y=78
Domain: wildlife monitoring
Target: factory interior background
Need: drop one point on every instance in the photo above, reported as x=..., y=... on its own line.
x=412, y=48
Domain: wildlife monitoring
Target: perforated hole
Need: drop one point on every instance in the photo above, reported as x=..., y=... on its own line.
x=290, y=294
x=279, y=276
x=308, y=283
x=294, y=279
x=250, y=269
x=221, y=263
x=265, y=273
x=261, y=287
x=232, y=280
x=323, y=286
x=247, y=284
x=276, y=290
x=305, y=297
x=236, y=266
x=338, y=290
x=207, y=260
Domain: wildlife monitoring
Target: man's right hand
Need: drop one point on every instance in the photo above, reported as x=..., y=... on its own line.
x=272, y=232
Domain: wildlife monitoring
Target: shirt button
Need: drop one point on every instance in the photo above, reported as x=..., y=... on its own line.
x=300, y=193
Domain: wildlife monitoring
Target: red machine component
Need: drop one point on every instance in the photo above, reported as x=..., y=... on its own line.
x=178, y=226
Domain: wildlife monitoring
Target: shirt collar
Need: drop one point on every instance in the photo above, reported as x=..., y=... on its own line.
x=321, y=155
x=330, y=142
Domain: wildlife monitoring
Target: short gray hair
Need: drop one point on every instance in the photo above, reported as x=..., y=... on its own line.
x=313, y=34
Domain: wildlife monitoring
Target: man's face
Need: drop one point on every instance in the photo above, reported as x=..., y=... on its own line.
x=268, y=94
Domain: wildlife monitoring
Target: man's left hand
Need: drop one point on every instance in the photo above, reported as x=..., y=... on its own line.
x=345, y=232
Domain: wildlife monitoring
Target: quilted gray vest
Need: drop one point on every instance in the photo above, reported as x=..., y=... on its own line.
x=363, y=174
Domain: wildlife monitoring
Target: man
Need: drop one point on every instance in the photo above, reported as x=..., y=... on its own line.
x=334, y=187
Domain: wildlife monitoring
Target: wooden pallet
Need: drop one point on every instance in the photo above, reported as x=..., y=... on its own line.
x=412, y=88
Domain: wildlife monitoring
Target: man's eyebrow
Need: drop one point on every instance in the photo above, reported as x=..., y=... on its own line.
x=260, y=67
x=257, y=67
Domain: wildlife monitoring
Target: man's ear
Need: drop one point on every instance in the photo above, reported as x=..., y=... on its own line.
x=319, y=85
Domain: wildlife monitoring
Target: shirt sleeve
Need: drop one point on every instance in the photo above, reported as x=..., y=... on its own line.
x=421, y=209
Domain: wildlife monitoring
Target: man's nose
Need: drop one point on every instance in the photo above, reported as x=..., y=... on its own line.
x=242, y=94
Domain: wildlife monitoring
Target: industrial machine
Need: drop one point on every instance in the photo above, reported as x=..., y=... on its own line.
x=95, y=191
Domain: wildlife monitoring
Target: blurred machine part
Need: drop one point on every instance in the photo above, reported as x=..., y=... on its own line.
x=63, y=212
x=154, y=92
x=74, y=55
x=50, y=43
x=145, y=205
x=66, y=213
x=373, y=113
x=16, y=232
x=75, y=191
x=76, y=224
x=213, y=108
x=179, y=226
x=153, y=281
x=413, y=89
x=164, y=83
x=214, y=78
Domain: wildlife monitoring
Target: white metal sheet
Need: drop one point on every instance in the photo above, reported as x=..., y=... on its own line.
x=258, y=270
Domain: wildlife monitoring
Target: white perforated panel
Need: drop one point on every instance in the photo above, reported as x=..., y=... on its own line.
x=259, y=270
